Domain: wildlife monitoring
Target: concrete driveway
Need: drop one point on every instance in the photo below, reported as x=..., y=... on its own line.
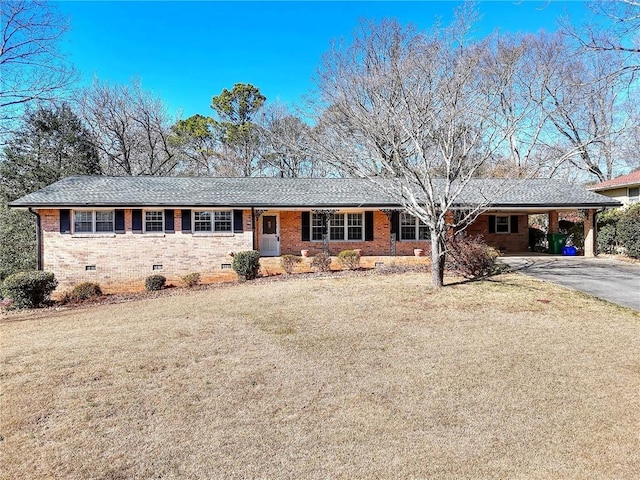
x=609, y=279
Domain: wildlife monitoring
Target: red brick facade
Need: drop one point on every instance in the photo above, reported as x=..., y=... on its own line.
x=119, y=261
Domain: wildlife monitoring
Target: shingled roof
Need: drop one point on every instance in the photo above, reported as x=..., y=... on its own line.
x=104, y=191
x=630, y=179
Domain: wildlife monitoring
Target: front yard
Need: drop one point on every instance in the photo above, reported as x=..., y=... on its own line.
x=365, y=377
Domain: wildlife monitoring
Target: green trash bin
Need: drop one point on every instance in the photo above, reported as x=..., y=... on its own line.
x=557, y=242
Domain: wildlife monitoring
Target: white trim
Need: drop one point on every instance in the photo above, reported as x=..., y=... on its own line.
x=144, y=222
x=93, y=211
x=212, y=221
x=345, y=227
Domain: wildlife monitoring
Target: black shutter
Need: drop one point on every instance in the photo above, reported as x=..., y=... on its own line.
x=186, y=220
x=395, y=223
x=136, y=221
x=65, y=221
x=368, y=226
x=169, y=221
x=119, y=221
x=514, y=223
x=237, y=221
x=306, y=226
x=492, y=224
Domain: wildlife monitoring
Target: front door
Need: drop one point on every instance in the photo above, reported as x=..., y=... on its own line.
x=269, y=240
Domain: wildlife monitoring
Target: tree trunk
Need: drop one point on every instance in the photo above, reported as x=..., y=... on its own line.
x=437, y=259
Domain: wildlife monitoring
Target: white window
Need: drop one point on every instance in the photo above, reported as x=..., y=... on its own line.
x=342, y=226
x=634, y=195
x=213, y=221
x=92, y=221
x=502, y=225
x=154, y=221
x=412, y=228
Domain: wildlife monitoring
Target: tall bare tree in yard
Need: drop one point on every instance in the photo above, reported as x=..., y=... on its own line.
x=616, y=30
x=32, y=68
x=586, y=100
x=418, y=114
x=132, y=129
x=285, y=144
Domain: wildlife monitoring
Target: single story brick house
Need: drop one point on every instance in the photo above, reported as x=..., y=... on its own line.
x=118, y=230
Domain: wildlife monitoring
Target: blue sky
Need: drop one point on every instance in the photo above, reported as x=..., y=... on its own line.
x=186, y=52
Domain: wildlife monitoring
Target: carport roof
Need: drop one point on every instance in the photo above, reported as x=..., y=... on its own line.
x=147, y=191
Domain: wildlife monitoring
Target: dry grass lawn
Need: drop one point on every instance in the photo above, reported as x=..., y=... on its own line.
x=367, y=377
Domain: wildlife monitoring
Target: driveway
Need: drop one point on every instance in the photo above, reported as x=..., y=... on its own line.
x=609, y=279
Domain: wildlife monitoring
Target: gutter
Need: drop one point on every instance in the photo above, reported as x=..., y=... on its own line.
x=38, y=238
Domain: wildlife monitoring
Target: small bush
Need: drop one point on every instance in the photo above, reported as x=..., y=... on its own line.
x=191, y=279
x=349, y=259
x=607, y=239
x=247, y=264
x=471, y=257
x=155, y=282
x=83, y=291
x=321, y=262
x=288, y=262
x=629, y=231
x=29, y=289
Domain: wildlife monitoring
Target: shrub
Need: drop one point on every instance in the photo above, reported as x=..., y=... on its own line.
x=607, y=237
x=191, y=279
x=629, y=231
x=471, y=257
x=288, y=262
x=29, y=289
x=155, y=282
x=321, y=262
x=349, y=259
x=83, y=291
x=247, y=264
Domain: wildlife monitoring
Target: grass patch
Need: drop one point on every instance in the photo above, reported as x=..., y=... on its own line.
x=365, y=377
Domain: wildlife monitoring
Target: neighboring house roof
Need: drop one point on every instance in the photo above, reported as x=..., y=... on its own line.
x=629, y=180
x=293, y=193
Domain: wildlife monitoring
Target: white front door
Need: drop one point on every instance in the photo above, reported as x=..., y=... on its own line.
x=269, y=239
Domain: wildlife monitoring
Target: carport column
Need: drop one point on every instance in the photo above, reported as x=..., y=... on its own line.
x=589, y=233
x=554, y=226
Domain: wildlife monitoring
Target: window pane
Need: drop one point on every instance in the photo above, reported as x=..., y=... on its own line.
x=407, y=227
x=104, y=221
x=222, y=221
x=154, y=221
x=355, y=224
x=316, y=227
x=83, y=221
x=502, y=224
x=336, y=226
x=202, y=221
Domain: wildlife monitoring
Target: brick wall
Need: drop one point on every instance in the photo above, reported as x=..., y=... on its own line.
x=507, y=242
x=123, y=261
x=291, y=238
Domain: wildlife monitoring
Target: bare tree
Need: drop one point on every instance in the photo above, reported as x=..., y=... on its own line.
x=286, y=144
x=132, y=129
x=586, y=102
x=418, y=115
x=31, y=65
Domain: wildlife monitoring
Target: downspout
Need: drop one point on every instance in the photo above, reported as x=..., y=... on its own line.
x=38, y=239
